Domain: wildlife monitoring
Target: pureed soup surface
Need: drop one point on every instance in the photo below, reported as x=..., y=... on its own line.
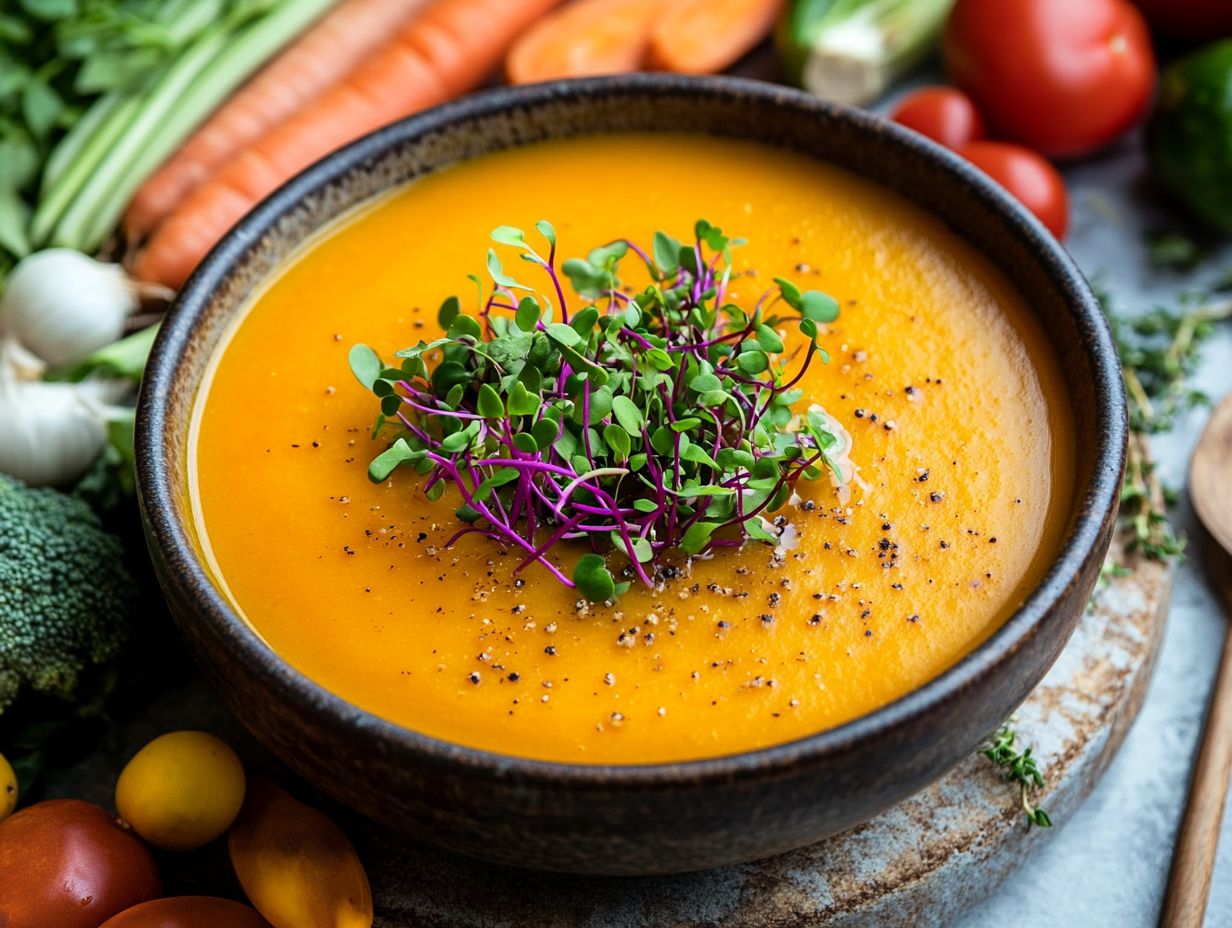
x=946, y=383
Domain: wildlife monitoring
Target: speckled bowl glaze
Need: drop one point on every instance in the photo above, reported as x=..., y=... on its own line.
x=635, y=819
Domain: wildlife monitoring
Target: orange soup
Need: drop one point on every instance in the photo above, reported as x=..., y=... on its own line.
x=945, y=381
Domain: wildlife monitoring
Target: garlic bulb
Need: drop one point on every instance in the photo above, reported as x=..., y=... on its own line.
x=63, y=305
x=50, y=433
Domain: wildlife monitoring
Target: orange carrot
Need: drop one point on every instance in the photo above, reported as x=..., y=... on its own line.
x=586, y=37
x=706, y=36
x=316, y=61
x=447, y=50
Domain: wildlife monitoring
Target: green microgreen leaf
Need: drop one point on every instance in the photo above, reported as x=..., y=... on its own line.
x=489, y=403
x=521, y=401
x=527, y=317
x=818, y=307
x=497, y=273
x=617, y=439
x=593, y=579
x=546, y=229
x=391, y=459
x=365, y=365
x=448, y=312
x=666, y=253
x=665, y=407
x=628, y=415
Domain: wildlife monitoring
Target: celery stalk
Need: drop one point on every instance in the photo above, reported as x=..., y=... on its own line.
x=75, y=172
x=227, y=69
x=155, y=106
x=76, y=140
x=106, y=164
x=850, y=51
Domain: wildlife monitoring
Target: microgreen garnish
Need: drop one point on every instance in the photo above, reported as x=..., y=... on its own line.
x=1019, y=767
x=649, y=424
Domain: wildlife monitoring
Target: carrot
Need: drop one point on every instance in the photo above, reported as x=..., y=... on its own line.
x=706, y=36
x=313, y=63
x=447, y=50
x=586, y=37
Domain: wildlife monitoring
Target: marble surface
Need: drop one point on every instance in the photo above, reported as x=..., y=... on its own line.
x=1109, y=864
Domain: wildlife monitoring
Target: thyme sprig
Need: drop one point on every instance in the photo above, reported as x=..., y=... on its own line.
x=1021, y=768
x=1159, y=352
x=643, y=423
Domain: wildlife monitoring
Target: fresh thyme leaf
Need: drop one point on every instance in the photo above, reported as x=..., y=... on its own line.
x=1172, y=251
x=643, y=425
x=1159, y=352
x=1021, y=768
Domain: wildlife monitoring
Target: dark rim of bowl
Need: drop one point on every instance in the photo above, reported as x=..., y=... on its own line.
x=1095, y=508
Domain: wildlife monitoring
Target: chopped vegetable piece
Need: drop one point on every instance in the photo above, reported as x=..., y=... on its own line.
x=851, y=51
x=706, y=36
x=586, y=37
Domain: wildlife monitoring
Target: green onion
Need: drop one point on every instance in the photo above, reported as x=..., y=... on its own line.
x=851, y=51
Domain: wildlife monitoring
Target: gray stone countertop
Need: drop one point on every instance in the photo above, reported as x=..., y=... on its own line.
x=1108, y=866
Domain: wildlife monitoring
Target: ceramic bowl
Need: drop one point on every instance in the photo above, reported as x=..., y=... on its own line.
x=634, y=819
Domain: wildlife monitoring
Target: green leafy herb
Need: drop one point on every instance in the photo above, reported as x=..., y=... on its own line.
x=1159, y=352
x=647, y=424
x=1172, y=251
x=1021, y=768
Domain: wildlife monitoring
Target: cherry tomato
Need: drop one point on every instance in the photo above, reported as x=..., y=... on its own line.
x=296, y=866
x=69, y=864
x=8, y=789
x=1059, y=76
x=1199, y=20
x=182, y=790
x=188, y=912
x=944, y=114
x=1028, y=176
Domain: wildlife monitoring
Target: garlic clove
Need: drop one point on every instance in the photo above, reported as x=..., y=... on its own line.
x=63, y=305
x=51, y=433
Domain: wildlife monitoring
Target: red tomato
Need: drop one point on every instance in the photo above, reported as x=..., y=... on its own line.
x=1064, y=77
x=188, y=912
x=944, y=114
x=1200, y=20
x=1028, y=176
x=69, y=864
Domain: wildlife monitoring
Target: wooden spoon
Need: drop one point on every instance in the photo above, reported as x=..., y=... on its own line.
x=1210, y=488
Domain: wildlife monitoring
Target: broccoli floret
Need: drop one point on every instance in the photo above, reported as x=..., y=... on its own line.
x=66, y=596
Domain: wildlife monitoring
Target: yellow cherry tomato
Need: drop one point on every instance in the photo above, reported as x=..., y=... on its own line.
x=182, y=790
x=296, y=866
x=8, y=789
